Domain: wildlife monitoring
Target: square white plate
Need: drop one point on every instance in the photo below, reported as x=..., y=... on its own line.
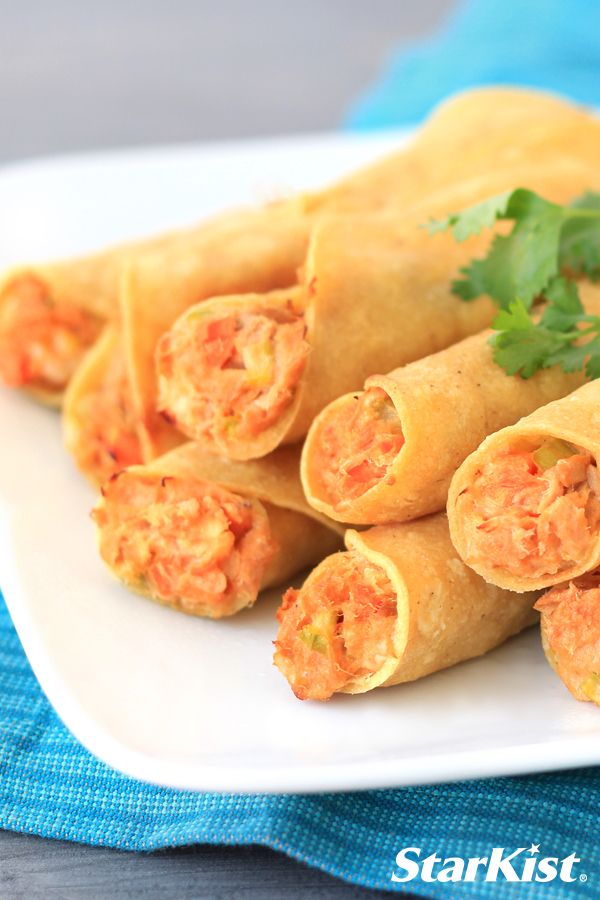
x=197, y=704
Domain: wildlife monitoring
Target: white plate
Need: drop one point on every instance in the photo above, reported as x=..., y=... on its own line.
x=198, y=704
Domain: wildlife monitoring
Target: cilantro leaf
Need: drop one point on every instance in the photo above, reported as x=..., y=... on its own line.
x=521, y=347
x=474, y=219
x=564, y=307
x=580, y=239
x=592, y=366
x=519, y=264
x=546, y=249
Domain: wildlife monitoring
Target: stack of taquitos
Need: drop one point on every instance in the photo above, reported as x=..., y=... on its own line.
x=244, y=374
x=260, y=251
x=203, y=534
x=342, y=631
x=49, y=315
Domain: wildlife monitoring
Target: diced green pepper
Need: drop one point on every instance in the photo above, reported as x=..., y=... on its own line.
x=313, y=639
x=259, y=360
x=551, y=451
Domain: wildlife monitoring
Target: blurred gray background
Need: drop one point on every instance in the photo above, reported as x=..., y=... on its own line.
x=77, y=75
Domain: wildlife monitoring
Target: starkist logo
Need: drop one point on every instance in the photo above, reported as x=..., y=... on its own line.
x=521, y=865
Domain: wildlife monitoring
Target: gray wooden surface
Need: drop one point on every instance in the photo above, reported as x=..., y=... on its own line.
x=35, y=869
x=76, y=75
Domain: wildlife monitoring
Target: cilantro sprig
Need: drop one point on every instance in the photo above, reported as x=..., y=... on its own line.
x=548, y=247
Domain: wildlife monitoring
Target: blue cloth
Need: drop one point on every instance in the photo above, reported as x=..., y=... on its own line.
x=51, y=786
x=549, y=44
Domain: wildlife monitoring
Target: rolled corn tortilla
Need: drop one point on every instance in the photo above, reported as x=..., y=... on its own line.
x=100, y=429
x=469, y=135
x=204, y=535
x=397, y=605
x=388, y=453
x=570, y=623
x=524, y=508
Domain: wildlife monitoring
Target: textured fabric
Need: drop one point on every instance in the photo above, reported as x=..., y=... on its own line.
x=51, y=786
x=550, y=44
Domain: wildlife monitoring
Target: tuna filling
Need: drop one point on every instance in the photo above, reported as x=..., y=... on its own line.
x=187, y=543
x=337, y=628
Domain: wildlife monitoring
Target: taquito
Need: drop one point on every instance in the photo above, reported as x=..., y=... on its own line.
x=52, y=313
x=388, y=453
x=100, y=428
x=204, y=535
x=570, y=623
x=255, y=253
x=398, y=604
x=524, y=508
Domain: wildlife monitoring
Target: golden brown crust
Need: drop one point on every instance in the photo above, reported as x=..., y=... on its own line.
x=446, y=613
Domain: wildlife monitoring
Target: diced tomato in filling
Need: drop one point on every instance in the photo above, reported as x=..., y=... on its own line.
x=187, y=542
x=356, y=447
x=532, y=512
x=231, y=376
x=571, y=627
x=41, y=341
x=108, y=439
x=339, y=628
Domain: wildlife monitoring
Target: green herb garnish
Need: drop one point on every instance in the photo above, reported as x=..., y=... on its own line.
x=548, y=247
x=313, y=639
x=549, y=453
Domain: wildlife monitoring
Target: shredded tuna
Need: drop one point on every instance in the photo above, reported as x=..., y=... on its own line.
x=188, y=543
x=233, y=375
x=356, y=447
x=337, y=629
x=571, y=628
x=41, y=341
x=530, y=521
x=107, y=438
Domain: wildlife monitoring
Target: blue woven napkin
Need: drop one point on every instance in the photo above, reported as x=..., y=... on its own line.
x=51, y=786
x=549, y=44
